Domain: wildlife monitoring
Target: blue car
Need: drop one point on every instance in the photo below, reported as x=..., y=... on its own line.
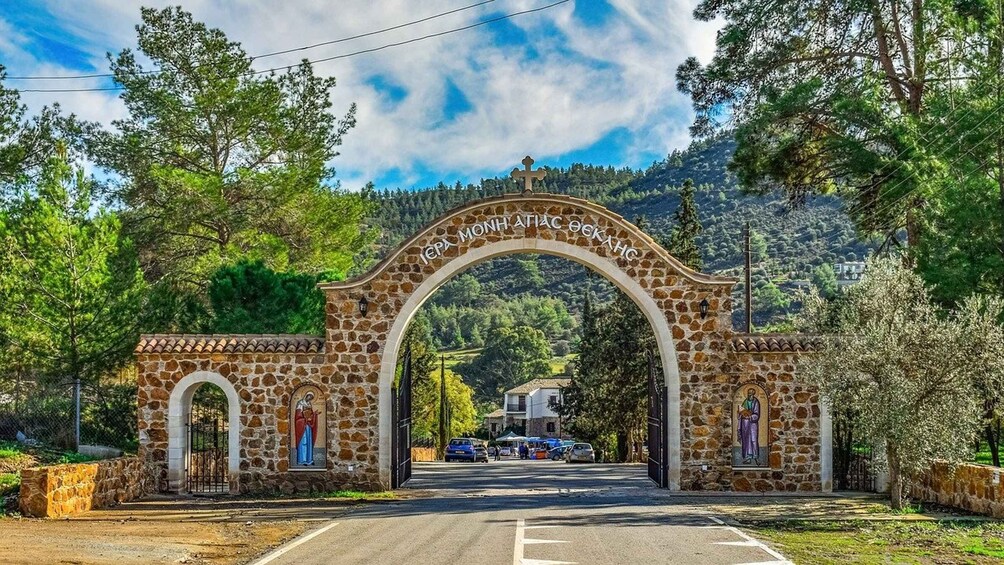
x=460, y=449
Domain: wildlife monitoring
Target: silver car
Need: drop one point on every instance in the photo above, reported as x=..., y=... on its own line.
x=581, y=453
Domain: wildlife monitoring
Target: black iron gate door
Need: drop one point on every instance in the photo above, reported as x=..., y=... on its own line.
x=657, y=464
x=401, y=438
x=208, y=435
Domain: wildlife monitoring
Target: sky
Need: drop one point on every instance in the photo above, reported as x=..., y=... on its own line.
x=588, y=81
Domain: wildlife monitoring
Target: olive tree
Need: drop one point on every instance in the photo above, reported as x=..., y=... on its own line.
x=899, y=367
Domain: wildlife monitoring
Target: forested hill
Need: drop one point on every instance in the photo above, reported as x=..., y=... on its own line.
x=788, y=244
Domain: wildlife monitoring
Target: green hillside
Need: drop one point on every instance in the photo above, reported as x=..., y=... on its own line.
x=789, y=243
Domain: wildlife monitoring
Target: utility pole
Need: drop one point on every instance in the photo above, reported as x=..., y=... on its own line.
x=749, y=279
x=442, y=405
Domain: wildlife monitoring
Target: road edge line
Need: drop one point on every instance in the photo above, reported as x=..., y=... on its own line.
x=282, y=550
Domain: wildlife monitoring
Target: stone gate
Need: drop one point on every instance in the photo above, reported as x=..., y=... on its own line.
x=738, y=418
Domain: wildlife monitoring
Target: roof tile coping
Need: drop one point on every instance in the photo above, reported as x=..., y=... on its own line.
x=775, y=343
x=535, y=384
x=229, y=343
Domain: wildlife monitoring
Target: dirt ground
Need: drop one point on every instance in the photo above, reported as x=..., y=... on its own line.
x=165, y=530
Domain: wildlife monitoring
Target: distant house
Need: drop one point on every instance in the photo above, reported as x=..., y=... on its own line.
x=849, y=272
x=495, y=422
x=530, y=405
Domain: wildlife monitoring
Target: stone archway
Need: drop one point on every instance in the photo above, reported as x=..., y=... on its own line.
x=669, y=295
x=703, y=360
x=179, y=407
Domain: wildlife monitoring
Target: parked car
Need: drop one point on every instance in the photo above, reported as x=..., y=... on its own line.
x=460, y=449
x=581, y=453
x=480, y=454
x=506, y=452
x=558, y=453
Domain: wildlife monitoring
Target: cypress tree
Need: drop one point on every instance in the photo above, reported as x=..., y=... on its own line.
x=683, y=239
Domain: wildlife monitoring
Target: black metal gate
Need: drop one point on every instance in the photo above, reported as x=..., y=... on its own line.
x=853, y=462
x=401, y=439
x=658, y=466
x=860, y=470
x=208, y=449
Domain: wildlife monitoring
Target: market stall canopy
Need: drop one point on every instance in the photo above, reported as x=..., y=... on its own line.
x=510, y=437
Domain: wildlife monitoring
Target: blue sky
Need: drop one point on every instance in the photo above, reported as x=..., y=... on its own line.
x=584, y=81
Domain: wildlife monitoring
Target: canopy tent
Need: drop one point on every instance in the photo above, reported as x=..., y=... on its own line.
x=510, y=437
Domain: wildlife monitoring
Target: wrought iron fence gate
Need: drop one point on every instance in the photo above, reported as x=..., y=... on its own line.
x=208, y=448
x=658, y=467
x=401, y=439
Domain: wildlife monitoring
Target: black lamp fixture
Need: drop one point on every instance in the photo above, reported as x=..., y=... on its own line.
x=704, y=308
x=364, y=306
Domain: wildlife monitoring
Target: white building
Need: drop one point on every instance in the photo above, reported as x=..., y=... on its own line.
x=531, y=405
x=849, y=272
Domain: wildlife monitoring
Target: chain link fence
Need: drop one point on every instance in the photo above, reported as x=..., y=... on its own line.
x=43, y=412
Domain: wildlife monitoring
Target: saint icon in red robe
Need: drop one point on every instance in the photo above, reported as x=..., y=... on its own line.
x=305, y=422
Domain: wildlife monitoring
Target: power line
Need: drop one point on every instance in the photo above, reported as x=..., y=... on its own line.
x=346, y=55
x=966, y=153
x=274, y=53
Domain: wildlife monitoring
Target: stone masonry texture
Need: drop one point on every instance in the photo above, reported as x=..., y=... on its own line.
x=967, y=486
x=712, y=359
x=63, y=490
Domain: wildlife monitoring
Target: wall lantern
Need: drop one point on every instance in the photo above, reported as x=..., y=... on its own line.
x=704, y=308
x=364, y=306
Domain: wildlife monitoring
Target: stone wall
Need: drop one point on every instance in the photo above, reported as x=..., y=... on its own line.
x=63, y=490
x=264, y=371
x=968, y=486
x=537, y=427
x=793, y=416
x=423, y=454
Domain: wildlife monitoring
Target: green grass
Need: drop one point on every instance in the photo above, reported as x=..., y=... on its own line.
x=10, y=483
x=880, y=542
x=10, y=450
x=355, y=495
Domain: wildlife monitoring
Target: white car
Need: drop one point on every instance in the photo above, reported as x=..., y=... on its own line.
x=581, y=453
x=506, y=452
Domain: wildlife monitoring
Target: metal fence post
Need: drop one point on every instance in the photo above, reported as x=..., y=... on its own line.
x=76, y=402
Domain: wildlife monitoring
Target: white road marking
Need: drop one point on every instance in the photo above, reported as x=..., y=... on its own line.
x=522, y=540
x=738, y=543
x=297, y=542
x=517, y=550
x=750, y=542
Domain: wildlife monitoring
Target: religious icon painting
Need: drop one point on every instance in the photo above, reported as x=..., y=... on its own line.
x=750, y=411
x=308, y=444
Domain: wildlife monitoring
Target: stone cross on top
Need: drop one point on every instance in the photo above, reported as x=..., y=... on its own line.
x=527, y=175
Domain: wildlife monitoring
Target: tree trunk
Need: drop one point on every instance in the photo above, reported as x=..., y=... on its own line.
x=623, y=446
x=993, y=440
x=895, y=478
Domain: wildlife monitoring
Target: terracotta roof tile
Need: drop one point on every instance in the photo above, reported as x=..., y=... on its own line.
x=196, y=344
x=774, y=343
x=533, y=385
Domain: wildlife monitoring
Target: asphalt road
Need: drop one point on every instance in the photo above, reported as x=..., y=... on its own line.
x=527, y=513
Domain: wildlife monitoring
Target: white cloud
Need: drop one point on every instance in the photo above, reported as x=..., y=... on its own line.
x=584, y=83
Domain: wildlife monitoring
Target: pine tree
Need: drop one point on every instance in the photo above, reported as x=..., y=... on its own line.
x=73, y=292
x=683, y=239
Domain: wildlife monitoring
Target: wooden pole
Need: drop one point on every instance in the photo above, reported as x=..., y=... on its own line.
x=749, y=278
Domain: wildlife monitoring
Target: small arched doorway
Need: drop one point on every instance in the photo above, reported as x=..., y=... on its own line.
x=206, y=469
x=203, y=436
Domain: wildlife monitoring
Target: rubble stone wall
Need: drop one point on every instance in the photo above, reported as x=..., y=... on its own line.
x=64, y=490
x=976, y=488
